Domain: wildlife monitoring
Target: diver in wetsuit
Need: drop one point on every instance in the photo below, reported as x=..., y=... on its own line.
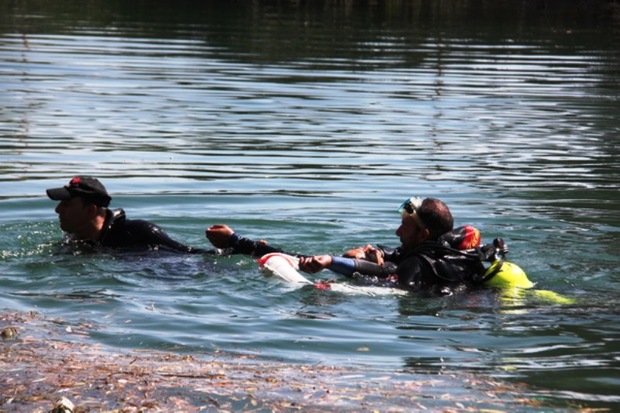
x=429, y=257
x=426, y=259
x=85, y=217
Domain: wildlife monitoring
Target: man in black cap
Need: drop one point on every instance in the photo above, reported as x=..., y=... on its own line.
x=84, y=215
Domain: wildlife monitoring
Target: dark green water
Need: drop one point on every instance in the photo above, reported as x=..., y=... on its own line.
x=307, y=124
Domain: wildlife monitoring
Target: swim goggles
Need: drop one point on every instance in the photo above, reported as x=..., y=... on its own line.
x=410, y=207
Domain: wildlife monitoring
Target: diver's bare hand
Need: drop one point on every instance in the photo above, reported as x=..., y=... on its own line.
x=357, y=253
x=219, y=235
x=373, y=254
x=366, y=253
x=314, y=264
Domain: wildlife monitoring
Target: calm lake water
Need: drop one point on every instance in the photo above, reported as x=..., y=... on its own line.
x=307, y=124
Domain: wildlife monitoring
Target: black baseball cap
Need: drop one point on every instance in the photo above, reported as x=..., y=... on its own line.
x=85, y=186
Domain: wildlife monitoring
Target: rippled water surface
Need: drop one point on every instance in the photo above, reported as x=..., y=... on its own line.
x=307, y=125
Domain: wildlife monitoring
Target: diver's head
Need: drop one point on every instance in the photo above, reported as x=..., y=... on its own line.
x=82, y=207
x=422, y=220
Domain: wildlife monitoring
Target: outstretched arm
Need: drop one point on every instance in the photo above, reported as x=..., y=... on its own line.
x=345, y=266
x=223, y=237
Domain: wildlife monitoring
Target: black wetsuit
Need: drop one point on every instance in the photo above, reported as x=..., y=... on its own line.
x=246, y=246
x=136, y=235
x=431, y=264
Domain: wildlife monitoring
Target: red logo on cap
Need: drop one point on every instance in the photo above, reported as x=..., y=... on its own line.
x=75, y=181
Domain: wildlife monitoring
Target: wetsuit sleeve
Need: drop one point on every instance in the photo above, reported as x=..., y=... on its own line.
x=246, y=246
x=349, y=266
x=342, y=265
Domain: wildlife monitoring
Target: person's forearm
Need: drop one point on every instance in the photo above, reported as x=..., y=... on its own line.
x=342, y=265
x=349, y=266
x=242, y=245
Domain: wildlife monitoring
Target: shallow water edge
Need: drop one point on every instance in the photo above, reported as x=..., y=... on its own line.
x=41, y=365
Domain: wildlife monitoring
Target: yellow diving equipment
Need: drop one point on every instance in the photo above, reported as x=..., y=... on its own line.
x=512, y=280
x=504, y=274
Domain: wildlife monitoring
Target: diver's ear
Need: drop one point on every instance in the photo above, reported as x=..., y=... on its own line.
x=426, y=233
x=92, y=210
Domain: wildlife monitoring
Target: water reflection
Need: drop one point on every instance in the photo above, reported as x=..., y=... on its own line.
x=485, y=92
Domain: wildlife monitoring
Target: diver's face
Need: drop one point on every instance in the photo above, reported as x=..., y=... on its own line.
x=73, y=215
x=411, y=234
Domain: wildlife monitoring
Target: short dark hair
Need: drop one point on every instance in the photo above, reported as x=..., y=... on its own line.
x=436, y=216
